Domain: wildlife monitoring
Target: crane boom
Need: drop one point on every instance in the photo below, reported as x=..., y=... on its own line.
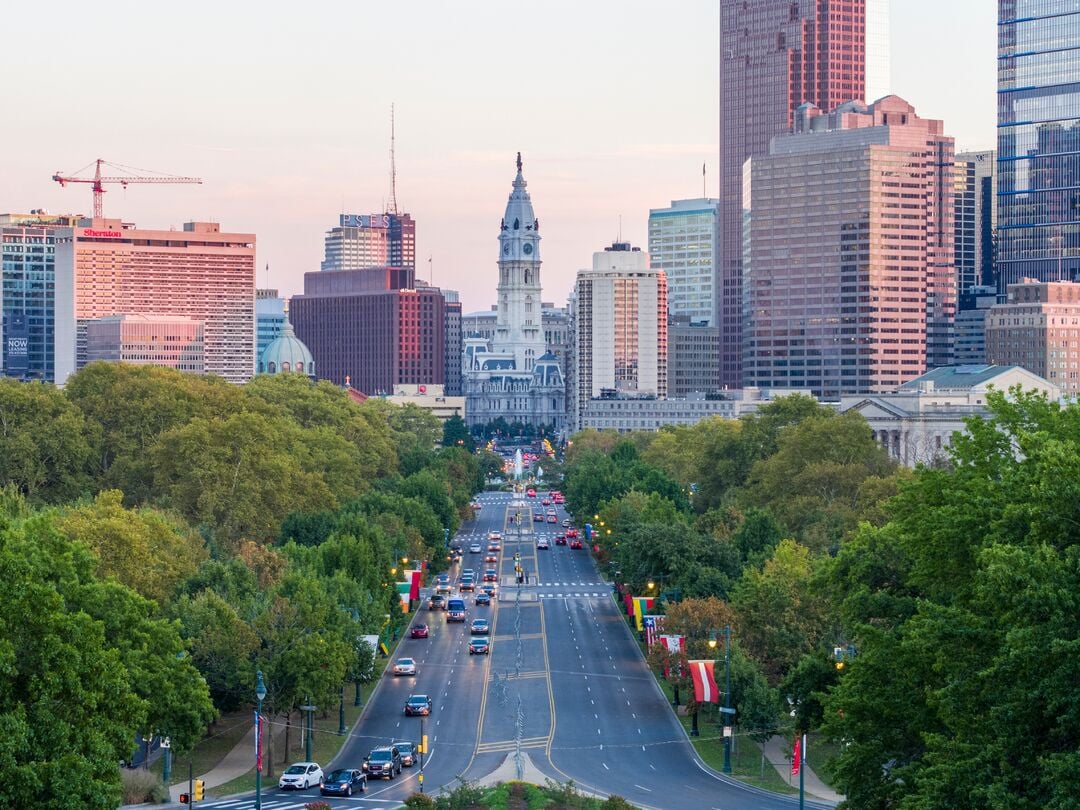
x=98, y=180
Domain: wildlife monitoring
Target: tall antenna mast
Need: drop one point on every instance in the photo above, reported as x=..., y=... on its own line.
x=393, y=167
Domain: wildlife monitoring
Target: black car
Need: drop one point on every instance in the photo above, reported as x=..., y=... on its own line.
x=408, y=753
x=418, y=704
x=384, y=761
x=483, y=598
x=343, y=782
x=479, y=646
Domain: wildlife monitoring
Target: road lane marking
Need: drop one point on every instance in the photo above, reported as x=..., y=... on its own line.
x=639, y=787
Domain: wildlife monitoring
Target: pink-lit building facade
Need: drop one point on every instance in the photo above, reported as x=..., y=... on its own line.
x=774, y=56
x=1038, y=329
x=147, y=340
x=105, y=267
x=849, y=284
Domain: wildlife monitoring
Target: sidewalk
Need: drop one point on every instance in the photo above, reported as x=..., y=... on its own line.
x=775, y=753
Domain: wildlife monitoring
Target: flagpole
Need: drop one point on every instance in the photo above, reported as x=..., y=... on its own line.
x=802, y=769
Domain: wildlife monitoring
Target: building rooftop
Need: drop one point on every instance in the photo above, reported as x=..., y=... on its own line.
x=958, y=377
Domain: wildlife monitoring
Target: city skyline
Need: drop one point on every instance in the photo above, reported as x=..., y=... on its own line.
x=614, y=121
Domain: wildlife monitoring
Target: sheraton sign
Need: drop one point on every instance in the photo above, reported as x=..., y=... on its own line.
x=90, y=232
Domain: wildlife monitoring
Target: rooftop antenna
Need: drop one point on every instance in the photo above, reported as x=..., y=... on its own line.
x=393, y=168
x=703, y=194
x=620, y=229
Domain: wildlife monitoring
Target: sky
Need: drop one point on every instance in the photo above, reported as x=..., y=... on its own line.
x=285, y=114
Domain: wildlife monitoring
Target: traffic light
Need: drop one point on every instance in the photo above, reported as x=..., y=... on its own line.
x=423, y=744
x=199, y=789
x=185, y=799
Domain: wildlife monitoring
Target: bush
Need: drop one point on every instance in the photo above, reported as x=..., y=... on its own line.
x=465, y=796
x=616, y=803
x=317, y=805
x=140, y=786
x=420, y=800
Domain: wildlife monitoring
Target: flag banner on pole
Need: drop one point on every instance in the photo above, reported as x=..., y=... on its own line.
x=653, y=626
x=796, y=758
x=403, y=587
x=642, y=605
x=258, y=742
x=414, y=589
x=673, y=643
x=628, y=600
x=705, y=690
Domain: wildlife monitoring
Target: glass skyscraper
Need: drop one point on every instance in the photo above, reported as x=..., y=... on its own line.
x=1038, y=141
x=683, y=243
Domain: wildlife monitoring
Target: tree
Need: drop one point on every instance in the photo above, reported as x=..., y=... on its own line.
x=455, y=433
x=45, y=443
x=83, y=668
x=148, y=550
x=697, y=619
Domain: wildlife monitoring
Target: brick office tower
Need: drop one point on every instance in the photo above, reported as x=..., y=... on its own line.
x=105, y=268
x=774, y=56
x=375, y=326
x=849, y=285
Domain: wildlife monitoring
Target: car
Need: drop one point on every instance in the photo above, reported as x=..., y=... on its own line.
x=455, y=610
x=560, y=539
x=566, y=522
x=343, y=782
x=491, y=575
x=442, y=584
x=482, y=598
x=538, y=517
x=476, y=506
x=552, y=519
x=479, y=646
x=405, y=666
x=490, y=558
x=475, y=548
x=531, y=493
x=480, y=627
x=488, y=588
x=546, y=502
x=571, y=532
x=436, y=602
x=494, y=546
x=542, y=544
x=495, y=536
x=467, y=585
x=419, y=631
x=300, y=776
x=407, y=751
x=418, y=705
x=575, y=543
x=383, y=761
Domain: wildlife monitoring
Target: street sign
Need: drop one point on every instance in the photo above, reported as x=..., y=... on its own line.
x=727, y=731
x=727, y=710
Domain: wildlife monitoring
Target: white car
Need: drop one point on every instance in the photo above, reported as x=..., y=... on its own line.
x=542, y=544
x=496, y=536
x=405, y=666
x=475, y=548
x=301, y=776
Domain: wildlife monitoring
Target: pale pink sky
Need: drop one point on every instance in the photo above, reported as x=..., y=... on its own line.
x=285, y=114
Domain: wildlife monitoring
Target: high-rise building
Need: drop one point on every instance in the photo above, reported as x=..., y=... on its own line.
x=104, y=267
x=693, y=357
x=849, y=282
x=774, y=56
x=683, y=243
x=27, y=293
x=1038, y=142
x=172, y=341
x=878, y=50
x=621, y=324
x=269, y=318
x=1036, y=329
x=372, y=329
x=975, y=214
x=512, y=375
x=371, y=240
x=455, y=346
x=973, y=307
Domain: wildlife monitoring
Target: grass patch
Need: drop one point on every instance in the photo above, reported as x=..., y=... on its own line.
x=746, y=765
x=224, y=735
x=820, y=752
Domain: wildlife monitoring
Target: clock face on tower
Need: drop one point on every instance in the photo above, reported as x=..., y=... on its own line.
x=527, y=249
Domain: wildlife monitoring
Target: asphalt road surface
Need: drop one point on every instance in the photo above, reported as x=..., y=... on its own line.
x=564, y=683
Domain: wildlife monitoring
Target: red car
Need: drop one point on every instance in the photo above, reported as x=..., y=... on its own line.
x=571, y=532
x=531, y=493
x=546, y=502
x=419, y=631
x=575, y=543
x=560, y=539
x=494, y=546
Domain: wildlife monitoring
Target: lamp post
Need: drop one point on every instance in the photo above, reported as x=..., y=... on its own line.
x=341, y=713
x=727, y=709
x=260, y=693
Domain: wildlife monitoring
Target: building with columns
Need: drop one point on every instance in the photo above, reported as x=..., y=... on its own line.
x=916, y=422
x=511, y=374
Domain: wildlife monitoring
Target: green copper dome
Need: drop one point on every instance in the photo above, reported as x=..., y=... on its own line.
x=287, y=354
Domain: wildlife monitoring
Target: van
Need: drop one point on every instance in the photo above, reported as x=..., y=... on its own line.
x=455, y=610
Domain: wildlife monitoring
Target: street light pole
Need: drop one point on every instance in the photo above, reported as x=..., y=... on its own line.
x=260, y=693
x=341, y=713
x=727, y=696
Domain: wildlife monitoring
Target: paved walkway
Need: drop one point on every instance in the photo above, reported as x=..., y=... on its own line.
x=779, y=758
x=240, y=760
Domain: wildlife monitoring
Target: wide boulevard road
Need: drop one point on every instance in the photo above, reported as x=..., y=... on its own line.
x=565, y=691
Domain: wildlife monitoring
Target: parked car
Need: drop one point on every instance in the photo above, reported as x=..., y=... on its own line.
x=301, y=776
x=384, y=761
x=343, y=782
x=418, y=705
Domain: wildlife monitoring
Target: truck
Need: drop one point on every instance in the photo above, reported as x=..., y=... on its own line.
x=455, y=610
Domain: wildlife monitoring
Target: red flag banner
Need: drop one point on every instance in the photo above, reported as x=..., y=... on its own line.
x=258, y=743
x=796, y=758
x=629, y=600
x=414, y=584
x=705, y=690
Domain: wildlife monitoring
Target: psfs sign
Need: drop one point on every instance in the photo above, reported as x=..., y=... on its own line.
x=365, y=220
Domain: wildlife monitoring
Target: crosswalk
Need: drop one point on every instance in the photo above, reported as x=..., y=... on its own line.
x=294, y=802
x=567, y=595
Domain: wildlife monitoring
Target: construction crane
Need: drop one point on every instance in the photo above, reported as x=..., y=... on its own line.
x=98, y=180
